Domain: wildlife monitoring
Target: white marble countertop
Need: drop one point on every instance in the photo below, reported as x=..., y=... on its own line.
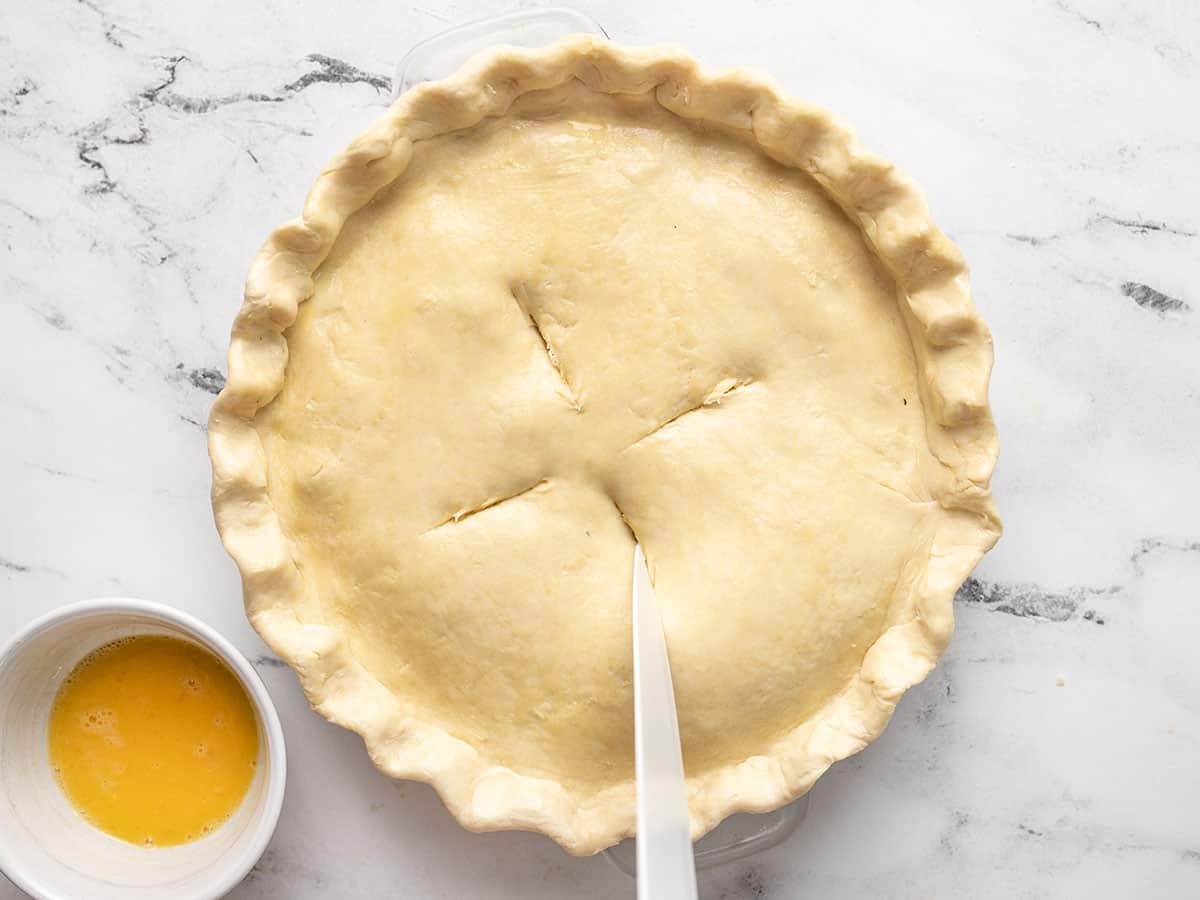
x=147, y=148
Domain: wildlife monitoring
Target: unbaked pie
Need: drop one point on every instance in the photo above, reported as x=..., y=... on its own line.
x=570, y=296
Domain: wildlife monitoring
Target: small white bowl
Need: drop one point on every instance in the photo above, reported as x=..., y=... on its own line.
x=46, y=848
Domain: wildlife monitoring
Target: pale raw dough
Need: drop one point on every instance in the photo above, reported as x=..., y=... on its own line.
x=588, y=319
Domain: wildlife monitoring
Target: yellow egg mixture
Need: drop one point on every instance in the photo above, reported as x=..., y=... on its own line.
x=153, y=740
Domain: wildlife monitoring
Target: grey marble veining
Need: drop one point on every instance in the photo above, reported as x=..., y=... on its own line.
x=146, y=149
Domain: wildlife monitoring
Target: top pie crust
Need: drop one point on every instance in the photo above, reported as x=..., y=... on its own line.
x=567, y=296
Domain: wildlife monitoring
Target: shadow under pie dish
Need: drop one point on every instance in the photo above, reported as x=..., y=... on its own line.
x=566, y=297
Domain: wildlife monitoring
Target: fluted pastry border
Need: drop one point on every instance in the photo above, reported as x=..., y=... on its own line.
x=950, y=341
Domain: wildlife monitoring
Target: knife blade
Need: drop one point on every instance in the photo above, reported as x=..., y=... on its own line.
x=666, y=867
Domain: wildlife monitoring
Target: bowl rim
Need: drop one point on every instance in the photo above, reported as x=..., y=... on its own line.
x=233, y=866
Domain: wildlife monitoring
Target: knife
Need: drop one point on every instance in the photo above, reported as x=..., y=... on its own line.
x=666, y=868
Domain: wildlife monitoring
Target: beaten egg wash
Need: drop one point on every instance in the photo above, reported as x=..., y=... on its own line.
x=153, y=740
